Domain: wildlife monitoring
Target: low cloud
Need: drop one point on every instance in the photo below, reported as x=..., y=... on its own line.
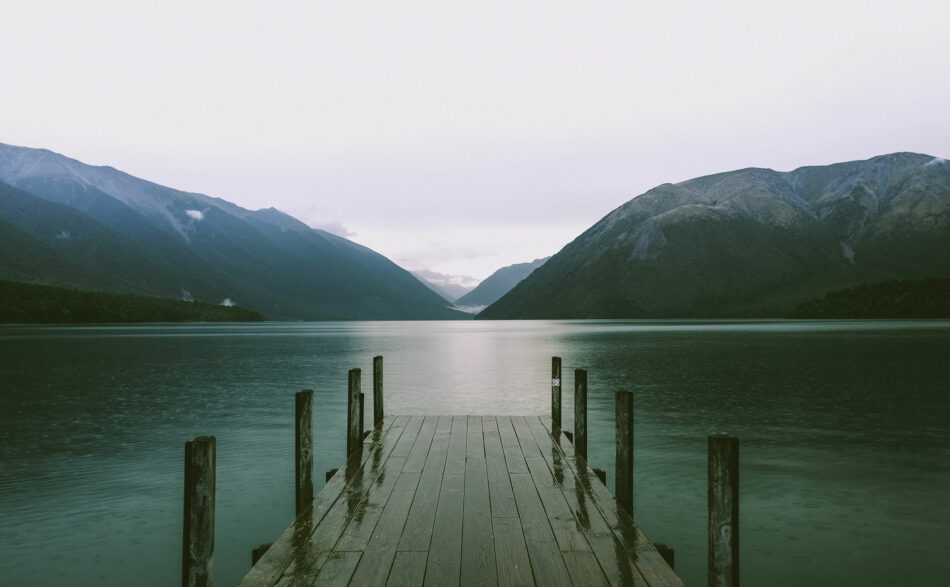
x=335, y=227
x=227, y=302
x=195, y=214
x=437, y=252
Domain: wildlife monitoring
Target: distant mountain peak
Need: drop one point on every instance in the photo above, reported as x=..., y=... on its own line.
x=496, y=285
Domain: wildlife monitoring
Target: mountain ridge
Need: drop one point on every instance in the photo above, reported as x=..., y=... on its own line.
x=498, y=284
x=207, y=247
x=749, y=242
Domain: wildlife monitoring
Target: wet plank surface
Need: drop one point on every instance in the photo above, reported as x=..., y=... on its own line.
x=463, y=500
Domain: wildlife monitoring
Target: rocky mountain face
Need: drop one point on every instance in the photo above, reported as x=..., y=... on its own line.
x=498, y=284
x=752, y=242
x=63, y=222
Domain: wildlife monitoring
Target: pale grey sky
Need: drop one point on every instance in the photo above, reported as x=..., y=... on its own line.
x=461, y=137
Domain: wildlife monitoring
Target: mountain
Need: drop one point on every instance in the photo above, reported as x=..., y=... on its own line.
x=450, y=287
x=67, y=223
x=746, y=243
x=498, y=284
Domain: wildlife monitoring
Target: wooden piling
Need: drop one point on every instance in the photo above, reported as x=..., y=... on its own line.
x=259, y=552
x=556, y=393
x=198, y=527
x=362, y=424
x=377, y=390
x=723, y=511
x=580, y=412
x=303, y=450
x=354, y=437
x=624, y=439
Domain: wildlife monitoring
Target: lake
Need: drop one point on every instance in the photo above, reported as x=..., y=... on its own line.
x=844, y=430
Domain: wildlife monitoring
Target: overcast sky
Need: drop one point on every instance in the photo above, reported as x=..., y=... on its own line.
x=465, y=136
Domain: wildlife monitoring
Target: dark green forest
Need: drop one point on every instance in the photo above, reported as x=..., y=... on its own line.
x=25, y=303
x=896, y=298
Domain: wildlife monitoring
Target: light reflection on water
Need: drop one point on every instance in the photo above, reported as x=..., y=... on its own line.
x=844, y=429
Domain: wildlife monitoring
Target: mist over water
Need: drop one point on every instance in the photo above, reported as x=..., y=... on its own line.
x=844, y=433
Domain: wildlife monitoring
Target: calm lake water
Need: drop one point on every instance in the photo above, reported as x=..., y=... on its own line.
x=844, y=430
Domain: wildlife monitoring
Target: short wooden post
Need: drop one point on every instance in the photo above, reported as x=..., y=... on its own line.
x=624, y=462
x=354, y=439
x=259, y=552
x=377, y=390
x=556, y=393
x=668, y=554
x=303, y=450
x=580, y=412
x=198, y=528
x=723, y=511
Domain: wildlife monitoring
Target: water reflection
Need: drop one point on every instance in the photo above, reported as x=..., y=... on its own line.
x=843, y=424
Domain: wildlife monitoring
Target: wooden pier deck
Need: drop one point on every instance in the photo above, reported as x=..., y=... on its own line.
x=463, y=500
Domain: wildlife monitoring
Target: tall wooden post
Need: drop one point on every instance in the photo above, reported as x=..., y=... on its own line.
x=624, y=462
x=556, y=393
x=198, y=528
x=723, y=511
x=377, y=390
x=303, y=450
x=354, y=439
x=580, y=412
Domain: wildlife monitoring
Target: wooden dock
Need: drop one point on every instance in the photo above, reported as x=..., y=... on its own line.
x=463, y=500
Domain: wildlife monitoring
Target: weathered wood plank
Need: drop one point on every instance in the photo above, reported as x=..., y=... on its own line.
x=359, y=528
x=278, y=557
x=443, y=567
x=649, y=562
x=420, y=448
x=529, y=448
x=545, y=556
x=478, y=545
x=308, y=562
x=338, y=569
x=584, y=569
x=408, y=569
x=461, y=516
x=381, y=551
x=418, y=531
x=475, y=444
x=499, y=485
x=511, y=554
x=444, y=426
x=566, y=529
x=408, y=437
x=509, y=442
x=615, y=560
